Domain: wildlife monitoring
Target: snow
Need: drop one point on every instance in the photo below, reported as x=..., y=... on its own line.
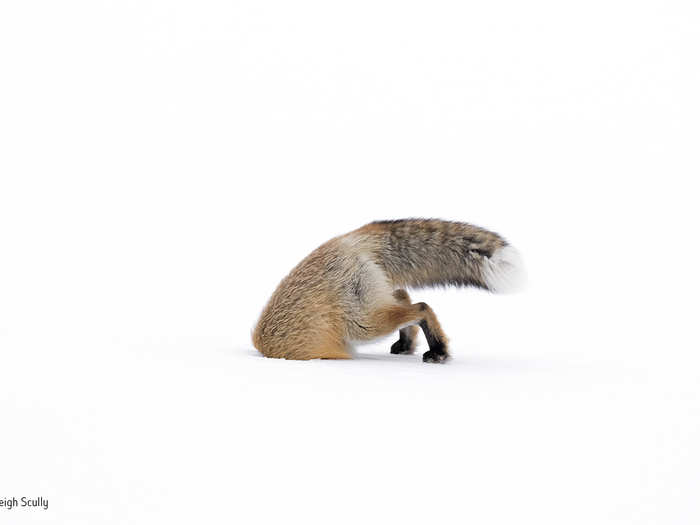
x=198, y=429
x=518, y=425
x=165, y=164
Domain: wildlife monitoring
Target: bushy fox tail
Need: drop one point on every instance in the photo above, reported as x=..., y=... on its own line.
x=420, y=253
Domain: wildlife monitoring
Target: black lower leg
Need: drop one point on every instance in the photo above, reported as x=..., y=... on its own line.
x=406, y=343
x=438, y=352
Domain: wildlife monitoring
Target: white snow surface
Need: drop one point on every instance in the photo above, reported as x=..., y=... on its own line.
x=199, y=429
x=165, y=164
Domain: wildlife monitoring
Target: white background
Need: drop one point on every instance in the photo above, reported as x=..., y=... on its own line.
x=164, y=164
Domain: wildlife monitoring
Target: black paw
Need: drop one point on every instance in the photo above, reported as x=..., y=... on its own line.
x=435, y=356
x=402, y=346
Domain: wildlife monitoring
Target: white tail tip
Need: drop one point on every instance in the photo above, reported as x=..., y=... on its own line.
x=504, y=271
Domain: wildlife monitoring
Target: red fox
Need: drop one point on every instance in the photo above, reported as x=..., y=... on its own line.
x=351, y=289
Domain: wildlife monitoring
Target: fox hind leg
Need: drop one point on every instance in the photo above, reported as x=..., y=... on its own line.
x=407, y=335
x=437, y=342
x=387, y=319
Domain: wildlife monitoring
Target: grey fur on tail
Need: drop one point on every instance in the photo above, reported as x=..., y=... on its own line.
x=420, y=253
